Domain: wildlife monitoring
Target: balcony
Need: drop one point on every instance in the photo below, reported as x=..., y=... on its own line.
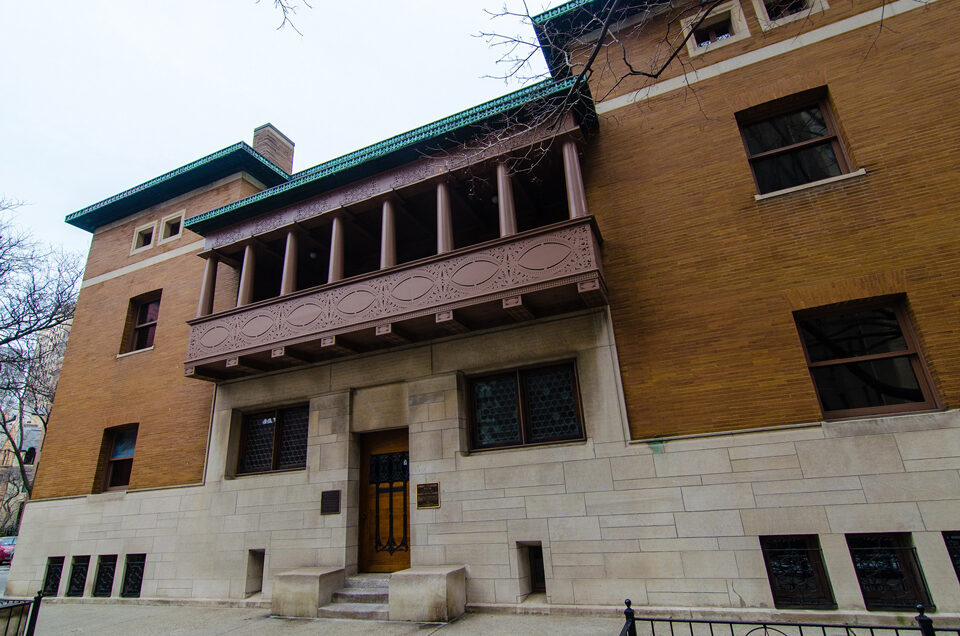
x=541, y=272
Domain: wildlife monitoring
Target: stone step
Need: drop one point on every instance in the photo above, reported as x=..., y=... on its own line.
x=368, y=580
x=361, y=611
x=361, y=595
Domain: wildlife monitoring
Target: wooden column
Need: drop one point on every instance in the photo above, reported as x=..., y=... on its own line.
x=388, y=236
x=208, y=287
x=288, y=282
x=335, y=271
x=245, y=297
x=444, y=219
x=508, y=212
x=576, y=197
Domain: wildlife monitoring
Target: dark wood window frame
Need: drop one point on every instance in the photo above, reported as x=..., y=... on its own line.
x=822, y=597
x=912, y=352
x=113, y=464
x=785, y=106
x=140, y=324
x=901, y=557
x=277, y=439
x=521, y=408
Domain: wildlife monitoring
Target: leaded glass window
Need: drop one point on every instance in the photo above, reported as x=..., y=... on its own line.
x=525, y=406
x=952, y=539
x=133, y=575
x=51, y=580
x=106, y=568
x=888, y=571
x=78, y=575
x=274, y=440
x=798, y=579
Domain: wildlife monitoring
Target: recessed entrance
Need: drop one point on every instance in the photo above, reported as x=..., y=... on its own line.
x=384, y=544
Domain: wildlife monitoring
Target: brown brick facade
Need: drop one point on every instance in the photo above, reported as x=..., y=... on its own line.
x=703, y=279
x=99, y=390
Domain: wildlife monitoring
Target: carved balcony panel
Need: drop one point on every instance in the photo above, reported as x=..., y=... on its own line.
x=541, y=272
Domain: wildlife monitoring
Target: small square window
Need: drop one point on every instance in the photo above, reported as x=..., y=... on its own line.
x=864, y=360
x=723, y=25
x=141, y=325
x=143, y=237
x=888, y=571
x=798, y=579
x=792, y=141
x=773, y=13
x=273, y=440
x=525, y=406
x=171, y=227
x=119, y=444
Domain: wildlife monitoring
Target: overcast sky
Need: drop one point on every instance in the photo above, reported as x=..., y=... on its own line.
x=99, y=96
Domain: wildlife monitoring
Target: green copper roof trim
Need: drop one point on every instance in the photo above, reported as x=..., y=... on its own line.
x=433, y=130
x=556, y=12
x=76, y=218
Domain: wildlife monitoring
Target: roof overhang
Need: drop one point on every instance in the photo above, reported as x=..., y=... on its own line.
x=236, y=158
x=390, y=153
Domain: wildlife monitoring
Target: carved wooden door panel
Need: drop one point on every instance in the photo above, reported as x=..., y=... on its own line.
x=384, y=502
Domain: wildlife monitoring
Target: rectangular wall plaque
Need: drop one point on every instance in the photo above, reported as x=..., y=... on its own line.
x=330, y=502
x=428, y=495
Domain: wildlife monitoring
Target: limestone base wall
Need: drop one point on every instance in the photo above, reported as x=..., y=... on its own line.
x=667, y=523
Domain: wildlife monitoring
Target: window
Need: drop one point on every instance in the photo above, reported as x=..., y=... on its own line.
x=952, y=539
x=133, y=576
x=525, y=406
x=78, y=575
x=170, y=227
x=798, y=579
x=121, y=443
x=864, y=360
x=106, y=567
x=141, y=324
x=888, y=571
x=773, y=13
x=792, y=141
x=143, y=237
x=273, y=440
x=51, y=579
x=723, y=25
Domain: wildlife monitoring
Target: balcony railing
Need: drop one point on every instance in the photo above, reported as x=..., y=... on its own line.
x=545, y=271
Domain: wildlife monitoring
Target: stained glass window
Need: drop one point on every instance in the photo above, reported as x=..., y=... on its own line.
x=274, y=440
x=795, y=568
x=525, y=406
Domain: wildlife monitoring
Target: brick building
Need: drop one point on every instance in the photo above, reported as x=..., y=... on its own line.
x=702, y=353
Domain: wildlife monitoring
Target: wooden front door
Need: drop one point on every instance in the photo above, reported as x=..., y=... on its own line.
x=384, y=501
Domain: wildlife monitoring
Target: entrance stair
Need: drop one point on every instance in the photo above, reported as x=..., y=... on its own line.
x=365, y=597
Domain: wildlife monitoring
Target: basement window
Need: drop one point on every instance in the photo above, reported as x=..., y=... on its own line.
x=774, y=13
x=888, y=571
x=798, y=579
x=724, y=25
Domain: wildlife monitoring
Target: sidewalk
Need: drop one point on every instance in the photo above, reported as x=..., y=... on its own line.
x=149, y=620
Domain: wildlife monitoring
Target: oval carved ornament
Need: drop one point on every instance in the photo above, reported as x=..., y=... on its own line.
x=476, y=272
x=412, y=288
x=304, y=314
x=356, y=301
x=214, y=337
x=544, y=256
x=256, y=326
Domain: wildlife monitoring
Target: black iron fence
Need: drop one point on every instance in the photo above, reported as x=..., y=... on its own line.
x=635, y=626
x=19, y=618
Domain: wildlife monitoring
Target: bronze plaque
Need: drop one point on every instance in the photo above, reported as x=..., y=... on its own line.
x=428, y=495
x=330, y=502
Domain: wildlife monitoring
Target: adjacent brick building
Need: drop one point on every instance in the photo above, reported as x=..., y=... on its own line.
x=701, y=354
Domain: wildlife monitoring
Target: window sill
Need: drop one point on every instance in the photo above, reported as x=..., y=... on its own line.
x=134, y=352
x=813, y=184
x=474, y=451
x=265, y=473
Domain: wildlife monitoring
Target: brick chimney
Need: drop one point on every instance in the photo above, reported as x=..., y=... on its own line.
x=275, y=146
